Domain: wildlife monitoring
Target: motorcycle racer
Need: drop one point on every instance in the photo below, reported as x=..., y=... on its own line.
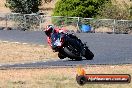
x=53, y=33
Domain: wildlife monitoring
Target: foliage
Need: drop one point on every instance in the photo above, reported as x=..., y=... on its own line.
x=23, y=6
x=130, y=11
x=47, y=1
x=75, y=8
x=59, y=21
x=78, y=8
x=111, y=11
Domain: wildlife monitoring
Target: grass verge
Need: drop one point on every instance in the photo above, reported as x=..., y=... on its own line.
x=19, y=53
x=58, y=77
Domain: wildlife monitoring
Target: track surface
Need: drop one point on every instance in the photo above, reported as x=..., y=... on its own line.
x=108, y=48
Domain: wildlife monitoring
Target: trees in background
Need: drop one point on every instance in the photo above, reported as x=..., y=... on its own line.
x=92, y=8
x=78, y=8
x=75, y=8
x=110, y=11
x=24, y=6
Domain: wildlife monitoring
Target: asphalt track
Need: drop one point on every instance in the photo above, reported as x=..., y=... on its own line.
x=108, y=48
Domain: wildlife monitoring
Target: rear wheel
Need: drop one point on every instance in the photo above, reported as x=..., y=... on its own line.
x=73, y=47
x=88, y=54
x=71, y=55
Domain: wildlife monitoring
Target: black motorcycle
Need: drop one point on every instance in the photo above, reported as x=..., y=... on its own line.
x=68, y=45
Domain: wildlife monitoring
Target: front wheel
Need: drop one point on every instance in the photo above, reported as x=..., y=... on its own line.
x=61, y=56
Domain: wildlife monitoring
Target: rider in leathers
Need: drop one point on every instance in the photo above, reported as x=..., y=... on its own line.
x=52, y=33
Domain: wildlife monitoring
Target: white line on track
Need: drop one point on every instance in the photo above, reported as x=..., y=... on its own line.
x=20, y=43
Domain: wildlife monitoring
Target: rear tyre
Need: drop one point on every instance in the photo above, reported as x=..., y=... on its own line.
x=71, y=55
x=78, y=59
x=88, y=54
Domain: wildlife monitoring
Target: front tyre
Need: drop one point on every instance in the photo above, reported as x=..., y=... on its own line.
x=61, y=56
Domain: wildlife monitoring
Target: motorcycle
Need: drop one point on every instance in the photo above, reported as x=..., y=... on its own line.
x=68, y=45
